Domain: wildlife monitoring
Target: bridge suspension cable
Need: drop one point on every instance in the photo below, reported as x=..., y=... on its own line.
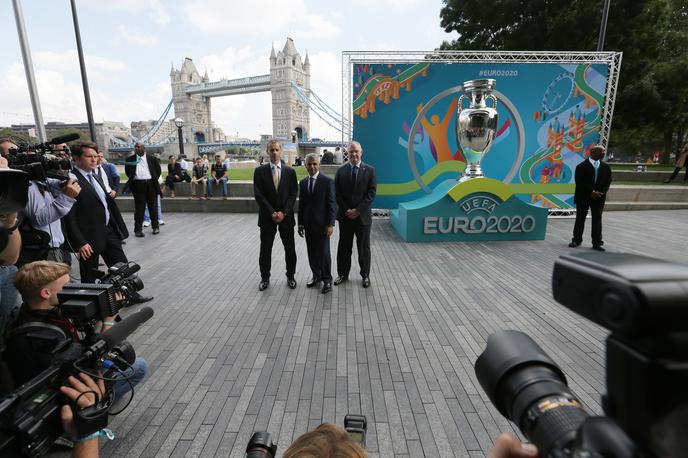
x=321, y=109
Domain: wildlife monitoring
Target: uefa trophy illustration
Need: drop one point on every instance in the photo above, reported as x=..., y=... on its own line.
x=476, y=125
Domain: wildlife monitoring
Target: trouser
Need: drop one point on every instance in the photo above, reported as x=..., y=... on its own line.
x=112, y=254
x=674, y=174
x=347, y=229
x=197, y=181
x=145, y=194
x=129, y=378
x=146, y=214
x=59, y=254
x=581, y=214
x=223, y=183
x=319, y=258
x=267, y=238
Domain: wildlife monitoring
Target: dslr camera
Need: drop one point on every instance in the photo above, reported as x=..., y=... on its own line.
x=644, y=303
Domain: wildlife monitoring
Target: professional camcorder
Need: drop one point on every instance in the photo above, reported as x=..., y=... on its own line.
x=30, y=415
x=88, y=302
x=40, y=161
x=644, y=303
x=261, y=444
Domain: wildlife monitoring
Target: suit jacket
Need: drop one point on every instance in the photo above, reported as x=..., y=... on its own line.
x=585, y=182
x=85, y=223
x=269, y=200
x=359, y=195
x=153, y=167
x=112, y=174
x=318, y=209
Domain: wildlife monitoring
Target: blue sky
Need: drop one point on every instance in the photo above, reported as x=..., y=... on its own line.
x=131, y=44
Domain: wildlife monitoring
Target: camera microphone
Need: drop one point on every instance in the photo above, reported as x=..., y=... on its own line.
x=63, y=139
x=124, y=328
x=116, y=334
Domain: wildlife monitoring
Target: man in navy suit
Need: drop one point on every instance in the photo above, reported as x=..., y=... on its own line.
x=317, y=210
x=593, y=178
x=356, y=188
x=275, y=189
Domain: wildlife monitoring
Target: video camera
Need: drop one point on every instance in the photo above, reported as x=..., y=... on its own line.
x=261, y=444
x=30, y=415
x=644, y=303
x=40, y=161
x=88, y=302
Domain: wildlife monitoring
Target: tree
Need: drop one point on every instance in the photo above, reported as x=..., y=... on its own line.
x=652, y=97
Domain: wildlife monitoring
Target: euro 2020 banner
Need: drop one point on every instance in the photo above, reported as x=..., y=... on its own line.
x=549, y=117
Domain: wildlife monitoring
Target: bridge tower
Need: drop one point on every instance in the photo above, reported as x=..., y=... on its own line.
x=194, y=109
x=289, y=113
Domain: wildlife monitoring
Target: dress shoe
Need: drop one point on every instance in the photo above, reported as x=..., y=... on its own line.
x=291, y=283
x=574, y=244
x=139, y=234
x=598, y=248
x=263, y=285
x=141, y=299
x=312, y=282
x=366, y=282
x=339, y=280
x=327, y=287
x=156, y=231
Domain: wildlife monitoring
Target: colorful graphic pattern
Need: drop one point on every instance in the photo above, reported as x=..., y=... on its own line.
x=557, y=107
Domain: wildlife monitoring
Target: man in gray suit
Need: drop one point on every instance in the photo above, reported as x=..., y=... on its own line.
x=356, y=187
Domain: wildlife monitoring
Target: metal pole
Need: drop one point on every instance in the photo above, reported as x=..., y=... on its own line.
x=181, y=142
x=84, y=79
x=28, y=69
x=603, y=26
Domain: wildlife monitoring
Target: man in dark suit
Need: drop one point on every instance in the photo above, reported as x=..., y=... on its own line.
x=143, y=171
x=356, y=188
x=275, y=189
x=593, y=178
x=317, y=211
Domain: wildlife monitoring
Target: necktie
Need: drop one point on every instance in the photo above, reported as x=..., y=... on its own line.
x=354, y=174
x=101, y=195
x=275, y=177
x=311, y=184
x=596, y=165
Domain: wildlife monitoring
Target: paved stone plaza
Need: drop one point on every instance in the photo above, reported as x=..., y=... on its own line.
x=227, y=360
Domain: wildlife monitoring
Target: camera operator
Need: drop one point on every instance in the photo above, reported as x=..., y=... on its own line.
x=509, y=446
x=9, y=254
x=41, y=329
x=5, y=146
x=85, y=392
x=328, y=440
x=48, y=202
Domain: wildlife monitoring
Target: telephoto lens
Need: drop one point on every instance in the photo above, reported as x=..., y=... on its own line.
x=261, y=446
x=530, y=389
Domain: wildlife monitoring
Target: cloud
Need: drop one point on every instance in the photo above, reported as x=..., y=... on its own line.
x=263, y=18
x=98, y=68
x=154, y=8
x=326, y=82
x=136, y=36
x=62, y=99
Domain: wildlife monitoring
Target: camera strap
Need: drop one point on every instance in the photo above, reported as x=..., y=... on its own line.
x=91, y=419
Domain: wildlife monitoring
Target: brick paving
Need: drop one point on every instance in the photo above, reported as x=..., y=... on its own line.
x=227, y=360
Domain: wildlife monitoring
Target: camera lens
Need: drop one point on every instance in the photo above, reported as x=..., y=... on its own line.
x=528, y=388
x=261, y=446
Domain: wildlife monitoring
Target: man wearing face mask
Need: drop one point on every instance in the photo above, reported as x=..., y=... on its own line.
x=593, y=178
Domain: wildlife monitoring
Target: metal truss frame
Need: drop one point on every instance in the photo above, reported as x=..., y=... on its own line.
x=611, y=59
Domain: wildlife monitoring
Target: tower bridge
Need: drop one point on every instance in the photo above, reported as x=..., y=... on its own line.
x=192, y=94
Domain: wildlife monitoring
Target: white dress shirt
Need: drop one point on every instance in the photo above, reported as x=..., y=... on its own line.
x=142, y=172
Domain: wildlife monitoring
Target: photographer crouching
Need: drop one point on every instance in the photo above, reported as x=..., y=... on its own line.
x=41, y=329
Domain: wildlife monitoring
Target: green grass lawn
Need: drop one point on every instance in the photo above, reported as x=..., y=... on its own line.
x=650, y=167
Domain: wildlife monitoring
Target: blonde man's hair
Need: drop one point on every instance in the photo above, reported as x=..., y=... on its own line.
x=273, y=142
x=34, y=276
x=326, y=441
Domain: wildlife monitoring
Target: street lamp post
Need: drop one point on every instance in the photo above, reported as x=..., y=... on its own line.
x=179, y=122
